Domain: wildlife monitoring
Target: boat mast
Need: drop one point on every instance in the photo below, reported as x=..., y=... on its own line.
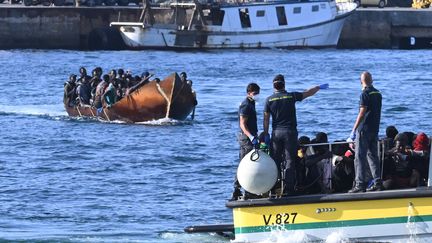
x=197, y=14
x=147, y=12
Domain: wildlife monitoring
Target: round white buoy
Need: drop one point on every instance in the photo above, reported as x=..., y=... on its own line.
x=257, y=172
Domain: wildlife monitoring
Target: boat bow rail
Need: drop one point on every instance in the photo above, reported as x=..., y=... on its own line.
x=339, y=197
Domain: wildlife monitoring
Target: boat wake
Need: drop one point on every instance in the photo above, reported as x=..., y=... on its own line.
x=202, y=238
x=52, y=111
x=165, y=122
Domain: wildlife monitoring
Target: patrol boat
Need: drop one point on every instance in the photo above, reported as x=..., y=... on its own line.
x=260, y=24
x=393, y=215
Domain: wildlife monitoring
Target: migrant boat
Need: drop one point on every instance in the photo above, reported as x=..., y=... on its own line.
x=384, y=216
x=260, y=24
x=169, y=98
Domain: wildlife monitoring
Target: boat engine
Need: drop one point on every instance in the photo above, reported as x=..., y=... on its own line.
x=257, y=172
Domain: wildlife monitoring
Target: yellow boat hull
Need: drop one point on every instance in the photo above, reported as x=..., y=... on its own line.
x=366, y=216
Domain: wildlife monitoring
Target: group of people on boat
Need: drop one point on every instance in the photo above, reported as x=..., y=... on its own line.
x=104, y=90
x=313, y=165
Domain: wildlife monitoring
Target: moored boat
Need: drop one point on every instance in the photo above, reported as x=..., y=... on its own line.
x=268, y=24
x=169, y=98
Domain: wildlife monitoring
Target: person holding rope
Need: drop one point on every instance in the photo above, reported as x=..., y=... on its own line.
x=281, y=107
x=248, y=136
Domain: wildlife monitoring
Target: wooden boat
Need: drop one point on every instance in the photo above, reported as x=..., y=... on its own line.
x=384, y=216
x=170, y=98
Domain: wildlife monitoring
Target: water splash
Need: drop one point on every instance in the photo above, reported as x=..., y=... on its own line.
x=198, y=238
x=34, y=110
x=411, y=224
x=164, y=122
x=282, y=235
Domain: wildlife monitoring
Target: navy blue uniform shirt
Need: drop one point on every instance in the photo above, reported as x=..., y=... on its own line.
x=247, y=109
x=281, y=106
x=371, y=99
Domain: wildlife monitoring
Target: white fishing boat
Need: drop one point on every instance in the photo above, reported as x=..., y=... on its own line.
x=268, y=24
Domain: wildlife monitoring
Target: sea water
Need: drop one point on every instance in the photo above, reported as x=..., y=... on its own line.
x=64, y=179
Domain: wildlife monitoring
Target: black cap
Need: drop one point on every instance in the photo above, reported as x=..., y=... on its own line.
x=279, y=78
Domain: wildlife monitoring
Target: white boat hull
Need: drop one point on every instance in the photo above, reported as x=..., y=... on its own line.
x=322, y=31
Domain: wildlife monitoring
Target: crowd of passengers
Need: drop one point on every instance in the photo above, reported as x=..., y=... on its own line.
x=321, y=169
x=104, y=90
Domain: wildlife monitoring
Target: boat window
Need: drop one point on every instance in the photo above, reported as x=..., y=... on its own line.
x=323, y=6
x=260, y=13
x=280, y=11
x=297, y=10
x=315, y=8
x=244, y=18
x=217, y=16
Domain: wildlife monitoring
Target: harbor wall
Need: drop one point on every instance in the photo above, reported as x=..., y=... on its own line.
x=88, y=28
x=387, y=28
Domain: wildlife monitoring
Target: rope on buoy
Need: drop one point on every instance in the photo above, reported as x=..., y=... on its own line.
x=255, y=153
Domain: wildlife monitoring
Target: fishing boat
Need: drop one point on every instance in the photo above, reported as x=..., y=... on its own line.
x=384, y=216
x=169, y=98
x=260, y=24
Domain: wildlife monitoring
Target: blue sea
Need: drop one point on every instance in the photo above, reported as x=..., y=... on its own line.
x=64, y=179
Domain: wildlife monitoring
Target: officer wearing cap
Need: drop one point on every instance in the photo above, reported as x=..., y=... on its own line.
x=281, y=108
x=365, y=135
x=248, y=136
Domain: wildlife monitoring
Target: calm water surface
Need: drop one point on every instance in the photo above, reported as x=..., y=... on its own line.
x=77, y=180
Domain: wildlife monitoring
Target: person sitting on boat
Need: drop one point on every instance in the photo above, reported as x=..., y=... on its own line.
x=69, y=91
x=343, y=168
x=84, y=91
x=144, y=79
x=319, y=163
x=183, y=77
x=110, y=95
x=100, y=90
x=83, y=75
x=391, y=133
x=399, y=167
x=281, y=107
x=94, y=81
x=420, y=156
x=248, y=136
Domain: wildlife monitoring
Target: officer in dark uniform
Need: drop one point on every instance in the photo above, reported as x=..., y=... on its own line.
x=248, y=136
x=365, y=134
x=281, y=107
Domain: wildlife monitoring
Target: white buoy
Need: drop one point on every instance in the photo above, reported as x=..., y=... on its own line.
x=257, y=172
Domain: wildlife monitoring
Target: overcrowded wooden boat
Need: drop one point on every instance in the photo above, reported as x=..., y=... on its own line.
x=169, y=98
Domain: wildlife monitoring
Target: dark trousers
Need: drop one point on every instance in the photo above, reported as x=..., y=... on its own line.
x=284, y=150
x=366, y=157
x=245, y=147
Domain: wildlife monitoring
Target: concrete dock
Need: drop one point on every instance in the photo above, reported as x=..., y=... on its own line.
x=85, y=28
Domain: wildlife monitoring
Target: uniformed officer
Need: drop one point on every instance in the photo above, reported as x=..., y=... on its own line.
x=365, y=134
x=281, y=107
x=248, y=136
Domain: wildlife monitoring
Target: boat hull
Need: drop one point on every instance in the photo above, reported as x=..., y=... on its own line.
x=171, y=98
x=320, y=32
x=392, y=215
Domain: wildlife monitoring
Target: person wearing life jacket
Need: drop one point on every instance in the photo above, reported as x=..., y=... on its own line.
x=281, y=108
x=248, y=136
x=420, y=153
x=110, y=95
